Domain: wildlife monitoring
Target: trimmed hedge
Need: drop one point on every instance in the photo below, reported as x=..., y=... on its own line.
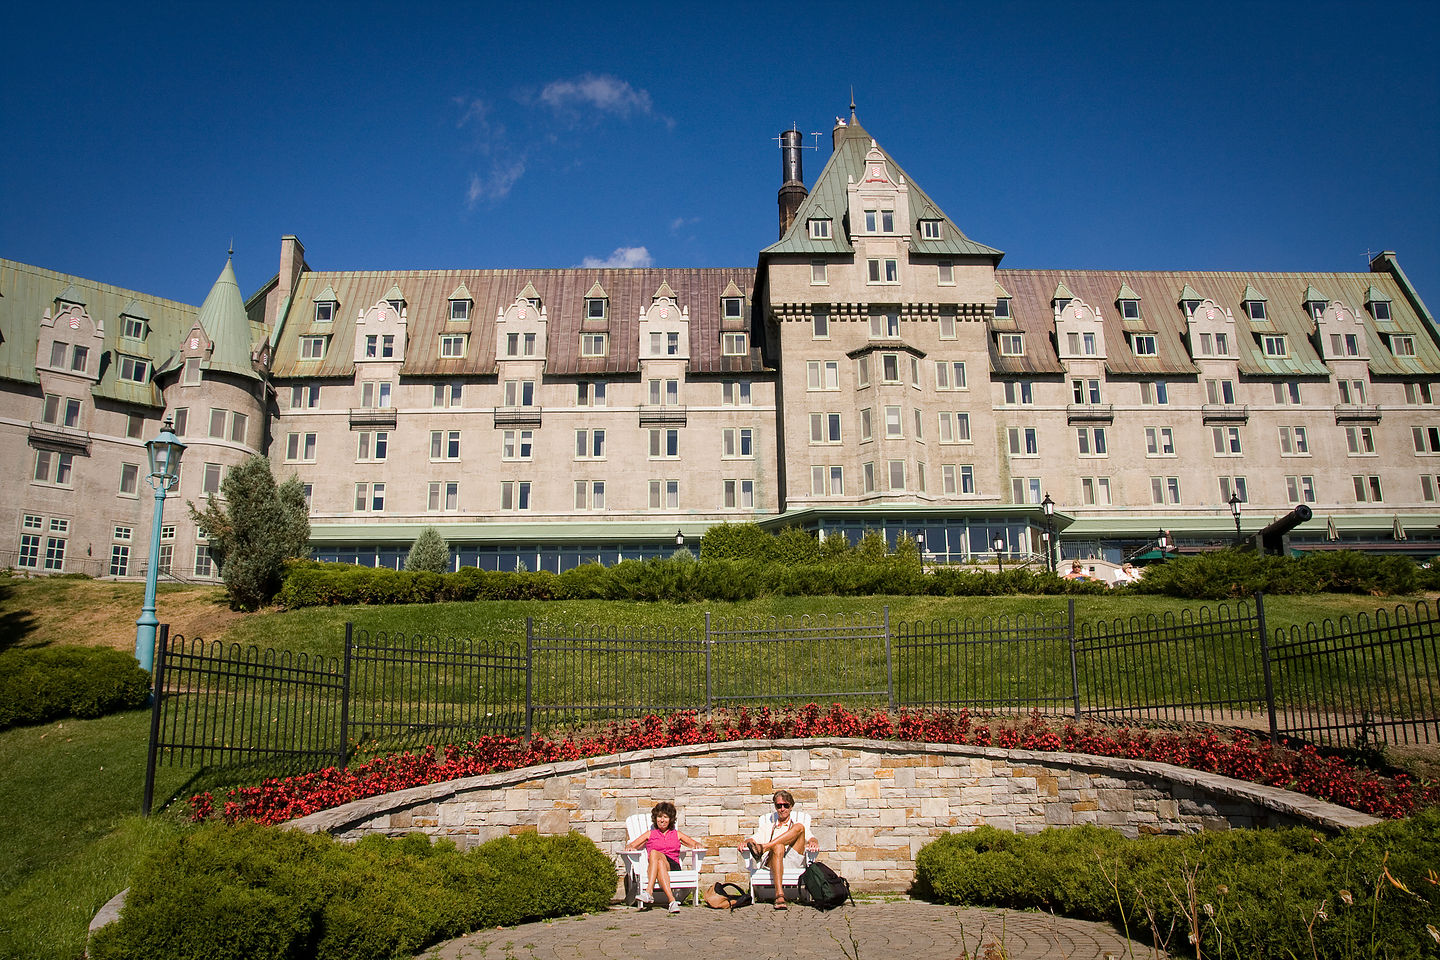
x=259, y=893
x=1229, y=573
x=1256, y=893
x=47, y=683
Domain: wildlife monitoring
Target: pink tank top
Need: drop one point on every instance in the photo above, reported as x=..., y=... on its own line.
x=666, y=841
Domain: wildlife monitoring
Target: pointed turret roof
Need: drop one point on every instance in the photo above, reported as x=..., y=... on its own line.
x=226, y=324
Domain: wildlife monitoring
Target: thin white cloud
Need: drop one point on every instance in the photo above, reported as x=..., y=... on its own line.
x=496, y=184
x=679, y=222
x=600, y=93
x=476, y=110
x=622, y=257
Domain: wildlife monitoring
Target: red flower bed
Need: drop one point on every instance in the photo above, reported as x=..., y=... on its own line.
x=1236, y=755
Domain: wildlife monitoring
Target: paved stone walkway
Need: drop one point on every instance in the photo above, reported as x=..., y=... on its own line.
x=869, y=930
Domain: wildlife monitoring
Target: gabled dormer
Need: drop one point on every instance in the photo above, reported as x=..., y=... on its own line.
x=70, y=341
x=1256, y=307
x=1079, y=331
x=327, y=305
x=1339, y=332
x=1210, y=330
x=1003, y=317
x=1377, y=302
x=1061, y=298
x=1127, y=303
x=820, y=224
x=460, y=306
x=521, y=328
x=1189, y=301
x=380, y=332
x=1315, y=302
x=734, y=322
x=879, y=203
x=396, y=299
x=597, y=307
x=134, y=323
x=194, y=355
x=664, y=327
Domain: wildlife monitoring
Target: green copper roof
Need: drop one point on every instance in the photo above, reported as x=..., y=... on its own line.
x=1252, y=294
x=1376, y=295
x=1000, y=292
x=1189, y=294
x=829, y=199
x=137, y=310
x=227, y=325
x=72, y=294
x=1062, y=292
x=1315, y=296
x=1126, y=293
x=394, y=293
x=461, y=292
x=326, y=296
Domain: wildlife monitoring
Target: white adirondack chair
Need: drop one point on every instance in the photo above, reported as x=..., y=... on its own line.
x=760, y=875
x=637, y=863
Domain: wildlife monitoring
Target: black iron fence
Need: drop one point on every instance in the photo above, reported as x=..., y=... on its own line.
x=1367, y=681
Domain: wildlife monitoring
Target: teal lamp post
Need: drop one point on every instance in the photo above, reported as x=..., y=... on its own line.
x=164, y=452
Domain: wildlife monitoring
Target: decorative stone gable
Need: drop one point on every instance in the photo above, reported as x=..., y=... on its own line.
x=521, y=328
x=70, y=341
x=380, y=333
x=1212, y=323
x=1341, y=333
x=1079, y=331
x=879, y=192
x=665, y=327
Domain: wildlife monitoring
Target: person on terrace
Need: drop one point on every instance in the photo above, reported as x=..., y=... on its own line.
x=663, y=842
x=782, y=841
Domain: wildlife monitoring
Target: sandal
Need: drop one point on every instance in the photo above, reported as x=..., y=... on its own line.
x=780, y=903
x=756, y=852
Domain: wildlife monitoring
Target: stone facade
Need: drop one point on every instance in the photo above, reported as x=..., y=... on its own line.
x=874, y=804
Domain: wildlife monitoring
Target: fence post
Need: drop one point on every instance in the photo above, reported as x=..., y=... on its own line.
x=709, y=704
x=1074, y=670
x=529, y=675
x=162, y=641
x=889, y=665
x=1265, y=662
x=344, y=745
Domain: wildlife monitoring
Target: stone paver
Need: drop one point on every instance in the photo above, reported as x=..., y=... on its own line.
x=870, y=929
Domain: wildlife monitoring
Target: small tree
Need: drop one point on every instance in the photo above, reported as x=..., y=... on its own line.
x=257, y=528
x=430, y=551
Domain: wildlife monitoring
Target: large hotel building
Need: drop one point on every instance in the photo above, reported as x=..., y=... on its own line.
x=875, y=370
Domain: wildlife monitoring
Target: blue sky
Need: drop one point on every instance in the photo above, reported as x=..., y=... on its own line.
x=1260, y=136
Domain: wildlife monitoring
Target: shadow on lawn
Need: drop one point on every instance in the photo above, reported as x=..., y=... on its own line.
x=15, y=625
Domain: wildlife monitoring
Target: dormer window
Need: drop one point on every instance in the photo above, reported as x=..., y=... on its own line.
x=1061, y=303
x=932, y=229
x=1379, y=309
x=312, y=348
x=593, y=344
x=134, y=328
x=734, y=345
x=1012, y=344
x=134, y=369
x=732, y=308
x=1143, y=344
x=1255, y=309
x=879, y=221
x=1190, y=306
x=596, y=308
x=460, y=310
x=1402, y=346
x=819, y=229
x=1274, y=346
x=1316, y=308
x=324, y=311
x=1002, y=308
x=396, y=305
x=1130, y=309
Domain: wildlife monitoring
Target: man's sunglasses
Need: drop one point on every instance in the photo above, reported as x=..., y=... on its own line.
x=782, y=806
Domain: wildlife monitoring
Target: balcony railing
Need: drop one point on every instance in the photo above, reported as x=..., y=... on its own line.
x=1090, y=413
x=372, y=416
x=1224, y=413
x=658, y=415
x=1357, y=413
x=54, y=435
x=517, y=417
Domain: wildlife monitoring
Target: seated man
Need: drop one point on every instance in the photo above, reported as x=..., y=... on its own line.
x=780, y=843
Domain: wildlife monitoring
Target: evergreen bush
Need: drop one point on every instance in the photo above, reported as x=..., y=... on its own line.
x=430, y=552
x=48, y=683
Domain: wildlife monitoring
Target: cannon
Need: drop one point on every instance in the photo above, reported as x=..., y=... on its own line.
x=1271, y=539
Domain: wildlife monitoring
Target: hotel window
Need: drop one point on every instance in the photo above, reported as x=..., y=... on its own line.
x=134, y=328
x=590, y=393
x=53, y=467
x=452, y=345
x=515, y=495
x=1086, y=391
x=1359, y=441
x=1143, y=344
x=738, y=442
x=373, y=445
x=1091, y=441
x=817, y=272
x=134, y=369
x=931, y=230
x=1095, y=491
x=897, y=474
x=919, y=424
x=894, y=427
x=1300, y=489
x=734, y=345
x=889, y=368
x=1418, y=393
x=1427, y=439
x=1344, y=345
x=1255, y=309
x=1012, y=344
x=211, y=479
x=915, y=372
x=119, y=559
x=519, y=393
x=517, y=445
x=512, y=344
x=1226, y=441
x=218, y=419
x=1189, y=306
x=324, y=311
x=167, y=548
x=1233, y=486
x=819, y=324
x=1130, y=309
x=739, y=494
x=377, y=345
x=1380, y=309
x=947, y=479
x=950, y=375
x=448, y=395
x=867, y=476
x=239, y=424
x=819, y=228
x=304, y=396
x=590, y=444
x=732, y=308
x=1220, y=391
x=597, y=344
x=300, y=448
x=954, y=427
x=375, y=394
x=129, y=479
x=822, y=374
x=1274, y=346
x=1024, y=442
x=1159, y=442
x=866, y=425
x=947, y=323
x=1287, y=392
x=824, y=428
x=1293, y=442
x=596, y=308
x=735, y=393
x=443, y=495
x=1002, y=308
x=833, y=475
x=1165, y=490
x=664, y=494
x=62, y=411
x=459, y=310
x=369, y=497
x=1367, y=489
x=1351, y=391
x=883, y=270
x=592, y=491
x=135, y=426
x=664, y=444
x=528, y=348
x=190, y=374
x=1402, y=346
x=862, y=371
x=945, y=275
x=1025, y=489
x=204, y=566
x=884, y=323
x=664, y=392
x=1019, y=392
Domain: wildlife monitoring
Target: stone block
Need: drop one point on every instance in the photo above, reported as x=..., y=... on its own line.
x=553, y=822
x=893, y=817
x=1084, y=806
x=905, y=777
x=864, y=790
x=934, y=807
x=762, y=787
x=1058, y=814
x=725, y=776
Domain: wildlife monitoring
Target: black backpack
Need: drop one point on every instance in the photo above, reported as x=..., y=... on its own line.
x=824, y=888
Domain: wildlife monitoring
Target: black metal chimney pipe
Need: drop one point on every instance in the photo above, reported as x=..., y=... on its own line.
x=792, y=179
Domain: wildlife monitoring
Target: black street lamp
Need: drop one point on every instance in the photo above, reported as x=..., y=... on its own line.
x=920, y=546
x=1163, y=542
x=1235, y=512
x=999, y=544
x=1051, y=547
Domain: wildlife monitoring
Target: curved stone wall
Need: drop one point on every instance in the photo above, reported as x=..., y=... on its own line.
x=874, y=803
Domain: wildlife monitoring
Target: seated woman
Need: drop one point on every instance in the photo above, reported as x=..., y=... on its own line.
x=662, y=842
x=782, y=842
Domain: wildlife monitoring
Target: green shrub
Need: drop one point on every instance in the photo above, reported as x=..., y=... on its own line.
x=1265, y=888
x=261, y=893
x=430, y=551
x=1224, y=574
x=43, y=684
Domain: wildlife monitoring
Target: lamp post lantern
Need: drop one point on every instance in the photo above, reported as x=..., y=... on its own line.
x=164, y=453
x=999, y=544
x=1051, y=548
x=1235, y=512
x=920, y=548
x=1163, y=542
x=679, y=539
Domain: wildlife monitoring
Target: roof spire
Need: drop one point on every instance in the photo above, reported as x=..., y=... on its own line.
x=231, y=251
x=852, y=103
